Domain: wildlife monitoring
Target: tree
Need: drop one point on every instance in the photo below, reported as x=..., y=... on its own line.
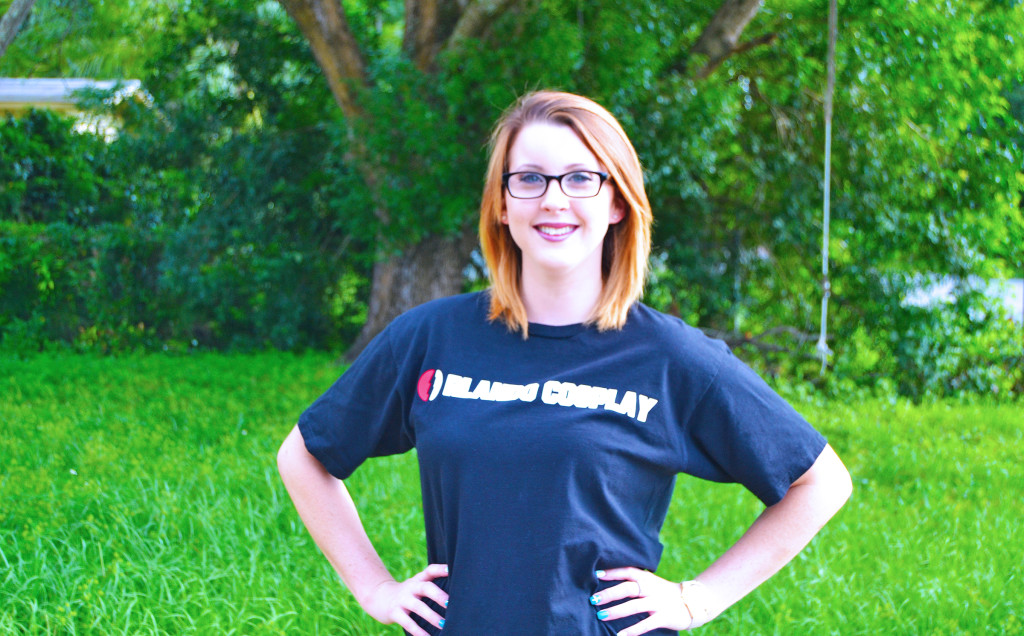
x=433, y=35
x=13, y=18
x=382, y=160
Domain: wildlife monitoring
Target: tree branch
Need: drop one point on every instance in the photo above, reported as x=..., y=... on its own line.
x=428, y=24
x=475, y=20
x=720, y=37
x=736, y=340
x=15, y=16
x=326, y=27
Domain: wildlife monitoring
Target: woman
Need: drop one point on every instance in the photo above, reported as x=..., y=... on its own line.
x=551, y=414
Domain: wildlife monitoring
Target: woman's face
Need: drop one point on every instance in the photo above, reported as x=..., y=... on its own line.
x=557, y=234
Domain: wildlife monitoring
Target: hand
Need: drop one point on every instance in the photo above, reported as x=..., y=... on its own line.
x=395, y=602
x=650, y=593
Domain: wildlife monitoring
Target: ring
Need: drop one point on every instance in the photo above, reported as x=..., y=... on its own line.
x=639, y=591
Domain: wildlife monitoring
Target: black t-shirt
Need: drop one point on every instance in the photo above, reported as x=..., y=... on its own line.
x=546, y=459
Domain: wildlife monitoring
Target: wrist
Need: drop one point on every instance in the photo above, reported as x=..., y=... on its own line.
x=367, y=592
x=699, y=602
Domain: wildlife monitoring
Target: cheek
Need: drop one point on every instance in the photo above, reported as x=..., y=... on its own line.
x=514, y=212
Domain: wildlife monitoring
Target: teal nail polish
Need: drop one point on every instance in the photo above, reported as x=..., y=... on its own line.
x=446, y=603
x=441, y=623
x=603, y=614
x=595, y=599
x=599, y=573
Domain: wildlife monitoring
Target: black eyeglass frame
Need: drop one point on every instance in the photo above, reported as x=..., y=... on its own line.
x=505, y=176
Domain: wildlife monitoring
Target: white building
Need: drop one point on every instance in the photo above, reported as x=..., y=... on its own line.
x=20, y=94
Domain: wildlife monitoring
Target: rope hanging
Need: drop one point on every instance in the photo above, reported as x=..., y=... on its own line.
x=826, y=286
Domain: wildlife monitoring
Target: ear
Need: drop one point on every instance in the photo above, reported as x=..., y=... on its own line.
x=618, y=211
x=504, y=218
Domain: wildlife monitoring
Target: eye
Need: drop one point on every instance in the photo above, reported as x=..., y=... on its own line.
x=580, y=178
x=530, y=178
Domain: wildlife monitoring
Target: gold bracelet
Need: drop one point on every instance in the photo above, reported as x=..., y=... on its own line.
x=697, y=599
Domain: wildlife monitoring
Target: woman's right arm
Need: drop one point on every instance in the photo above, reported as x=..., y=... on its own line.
x=330, y=516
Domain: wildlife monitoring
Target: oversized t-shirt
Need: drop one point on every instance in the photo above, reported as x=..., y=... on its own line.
x=543, y=460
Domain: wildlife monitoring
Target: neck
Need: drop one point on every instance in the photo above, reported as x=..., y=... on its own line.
x=560, y=299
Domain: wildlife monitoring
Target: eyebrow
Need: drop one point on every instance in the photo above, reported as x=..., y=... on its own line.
x=532, y=167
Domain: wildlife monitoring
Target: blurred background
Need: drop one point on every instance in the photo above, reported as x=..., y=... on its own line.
x=205, y=206
x=237, y=176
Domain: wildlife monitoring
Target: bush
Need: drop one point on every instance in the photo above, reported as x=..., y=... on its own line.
x=53, y=174
x=90, y=287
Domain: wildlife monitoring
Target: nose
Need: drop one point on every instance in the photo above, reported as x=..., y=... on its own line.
x=554, y=198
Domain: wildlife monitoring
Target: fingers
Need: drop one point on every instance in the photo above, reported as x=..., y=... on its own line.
x=628, y=589
x=632, y=586
x=422, y=586
x=643, y=592
x=399, y=602
x=621, y=574
x=432, y=571
x=427, y=586
x=629, y=608
x=430, y=590
x=417, y=606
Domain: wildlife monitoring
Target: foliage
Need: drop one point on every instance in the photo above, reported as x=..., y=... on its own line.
x=139, y=495
x=924, y=168
x=231, y=165
x=242, y=170
x=94, y=287
x=83, y=38
x=925, y=184
x=49, y=174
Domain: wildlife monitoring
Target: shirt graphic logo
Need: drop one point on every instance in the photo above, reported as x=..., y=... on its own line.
x=581, y=396
x=430, y=384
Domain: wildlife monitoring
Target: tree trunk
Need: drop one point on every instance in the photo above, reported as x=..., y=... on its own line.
x=433, y=268
x=12, y=21
x=428, y=270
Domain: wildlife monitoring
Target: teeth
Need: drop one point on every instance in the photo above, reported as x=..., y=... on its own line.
x=555, y=231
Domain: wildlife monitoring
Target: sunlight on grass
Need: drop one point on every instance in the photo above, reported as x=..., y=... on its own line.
x=139, y=495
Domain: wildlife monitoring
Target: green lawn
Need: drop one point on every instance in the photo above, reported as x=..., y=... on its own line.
x=139, y=495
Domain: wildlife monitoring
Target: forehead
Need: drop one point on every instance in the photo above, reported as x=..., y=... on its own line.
x=551, y=147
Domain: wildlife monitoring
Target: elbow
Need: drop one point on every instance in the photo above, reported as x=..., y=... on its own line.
x=295, y=464
x=844, y=487
x=288, y=454
x=840, y=484
x=829, y=483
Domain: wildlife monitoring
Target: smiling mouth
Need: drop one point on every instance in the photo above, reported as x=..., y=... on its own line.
x=555, y=230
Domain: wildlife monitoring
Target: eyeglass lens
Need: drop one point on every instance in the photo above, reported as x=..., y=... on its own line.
x=530, y=185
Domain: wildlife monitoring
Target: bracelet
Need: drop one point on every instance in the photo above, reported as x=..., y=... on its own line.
x=697, y=600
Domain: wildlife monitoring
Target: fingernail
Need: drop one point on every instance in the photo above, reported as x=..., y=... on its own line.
x=599, y=573
x=603, y=614
x=446, y=569
x=441, y=624
x=595, y=599
x=446, y=603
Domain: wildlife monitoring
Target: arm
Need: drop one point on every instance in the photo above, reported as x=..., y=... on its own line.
x=775, y=537
x=330, y=515
x=781, y=531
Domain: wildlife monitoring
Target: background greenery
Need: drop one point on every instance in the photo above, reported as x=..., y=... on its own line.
x=230, y=214
x=138, y=492
x=139, y=495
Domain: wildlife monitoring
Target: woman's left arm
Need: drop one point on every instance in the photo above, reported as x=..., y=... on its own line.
x=778, y=534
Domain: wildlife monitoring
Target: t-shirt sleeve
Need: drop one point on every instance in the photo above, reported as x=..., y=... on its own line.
x=742, y=431
x=362, y=415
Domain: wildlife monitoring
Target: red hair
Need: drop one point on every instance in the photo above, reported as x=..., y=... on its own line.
x=627, y=244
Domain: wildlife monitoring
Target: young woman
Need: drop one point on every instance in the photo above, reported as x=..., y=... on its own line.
x=551, y=415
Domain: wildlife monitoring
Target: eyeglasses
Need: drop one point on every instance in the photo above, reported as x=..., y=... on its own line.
x=580, y=184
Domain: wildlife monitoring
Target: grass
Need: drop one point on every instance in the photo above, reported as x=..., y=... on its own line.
x=138, y=495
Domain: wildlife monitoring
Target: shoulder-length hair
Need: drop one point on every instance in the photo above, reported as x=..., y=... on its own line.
x=627, y=244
